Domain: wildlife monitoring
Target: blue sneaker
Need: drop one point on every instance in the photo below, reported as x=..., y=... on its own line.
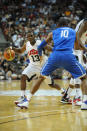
x=23, y=104
x=84, y=105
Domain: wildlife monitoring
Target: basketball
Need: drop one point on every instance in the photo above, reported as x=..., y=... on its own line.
x=9, y=54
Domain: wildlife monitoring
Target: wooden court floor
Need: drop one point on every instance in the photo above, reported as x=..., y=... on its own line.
x=45, y=112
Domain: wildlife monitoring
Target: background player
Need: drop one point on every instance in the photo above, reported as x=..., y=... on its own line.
x=78, y=51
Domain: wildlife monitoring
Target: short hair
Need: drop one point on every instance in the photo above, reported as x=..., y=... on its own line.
x=63, y=22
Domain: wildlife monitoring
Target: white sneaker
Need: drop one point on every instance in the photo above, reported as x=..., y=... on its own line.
x=84, y=105
x=78, y=103
x=23, y=104
x=19, y=100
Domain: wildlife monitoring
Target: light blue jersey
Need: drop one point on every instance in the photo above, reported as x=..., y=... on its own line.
x=62, y=55
x=64, y=38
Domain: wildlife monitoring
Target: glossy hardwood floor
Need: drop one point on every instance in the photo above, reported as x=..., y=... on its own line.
x=45, y=112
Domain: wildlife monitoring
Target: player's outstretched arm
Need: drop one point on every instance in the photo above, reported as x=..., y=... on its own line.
x=48, y=48
x=44, y=43
x=81, y=30
x=19, y=50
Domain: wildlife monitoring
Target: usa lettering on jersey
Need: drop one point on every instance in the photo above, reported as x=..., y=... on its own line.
x=34, y=54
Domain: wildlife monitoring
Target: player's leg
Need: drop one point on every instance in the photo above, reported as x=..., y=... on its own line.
x=52, y=84
x=77, y=71
x=84, y=93
x=31, y=70
x=24, y=78
x=46, y=70
x=66, y=97
x=57, y=87
x=23, y=88
x=75, y=83
x=27, y=74
x=77, y=100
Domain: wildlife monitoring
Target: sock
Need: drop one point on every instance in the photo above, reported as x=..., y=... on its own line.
x=84, y=97
x=78, y=92
x=29, y=96
x=23, y=93
x=69, y=92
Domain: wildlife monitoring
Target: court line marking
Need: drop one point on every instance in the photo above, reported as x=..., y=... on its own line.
x=31, y=113
x=38, y=93
x=34, y=117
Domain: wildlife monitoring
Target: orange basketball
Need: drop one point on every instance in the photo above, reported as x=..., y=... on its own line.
x=9, y=54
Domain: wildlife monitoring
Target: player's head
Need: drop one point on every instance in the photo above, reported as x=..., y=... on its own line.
x=62, y=22
x=31, y=38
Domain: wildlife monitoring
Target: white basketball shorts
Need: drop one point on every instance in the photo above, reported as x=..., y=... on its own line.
x=31, y=70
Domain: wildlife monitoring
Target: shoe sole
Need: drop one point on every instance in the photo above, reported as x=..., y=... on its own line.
x=76, y=104
x=65, y=102
x=83, y=108
x=22, y=107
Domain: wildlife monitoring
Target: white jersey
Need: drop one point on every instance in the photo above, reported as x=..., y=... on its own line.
x=79, y=53
x=34, y=66
x=33, y=52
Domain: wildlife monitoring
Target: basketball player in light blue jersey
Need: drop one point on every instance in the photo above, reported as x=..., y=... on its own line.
x=78, y=51
x=62, y=56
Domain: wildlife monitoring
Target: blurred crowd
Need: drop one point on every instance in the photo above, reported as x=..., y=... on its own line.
x=17, y=18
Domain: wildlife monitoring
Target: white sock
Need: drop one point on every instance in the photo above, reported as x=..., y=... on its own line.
x=29, y=96
x=23, y=93
x=84, y=97
x=69, y=92
x=78, y=92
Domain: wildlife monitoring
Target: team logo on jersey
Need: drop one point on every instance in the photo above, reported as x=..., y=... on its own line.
x=33, y=52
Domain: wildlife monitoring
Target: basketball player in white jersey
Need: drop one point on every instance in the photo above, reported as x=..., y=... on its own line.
x=79, y=54
x=34, y=67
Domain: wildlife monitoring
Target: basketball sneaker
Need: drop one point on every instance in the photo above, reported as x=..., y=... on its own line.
x=66, y=100
x=77, y=101
x=19, y=100
x=23, y=104
x=84, y=105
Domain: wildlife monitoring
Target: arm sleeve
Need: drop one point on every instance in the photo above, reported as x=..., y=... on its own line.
x=41, y=46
